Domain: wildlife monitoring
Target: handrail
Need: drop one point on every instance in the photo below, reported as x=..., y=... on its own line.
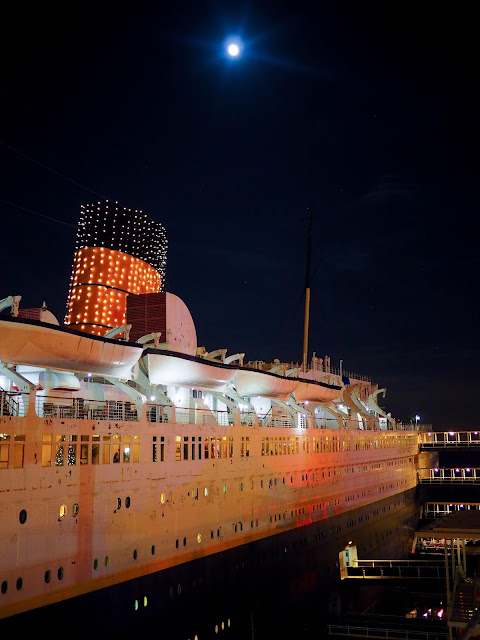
x=352, y=631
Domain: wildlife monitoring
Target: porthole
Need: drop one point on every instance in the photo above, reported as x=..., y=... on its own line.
x=206, y=491
x=153, y=550
x=119, y=503
x=228, y=622
x=162, y=498
x=224, y=488
x=47, y=576
x=184, y=542
x=134, y=554
x=95, y=564
x=19, y=583
x=176, y=543
x=216, y=628
x=4, y=587
x=223, y=626
x=75, y=509
x=63, y=511
x=60, y=573
x=106, y=561
x=218, y=533
x=179, y=589
x=211, y=534
x=199, y=537
x=23, y=516
x=135, y=605
x=145, y=601
x=127, y=502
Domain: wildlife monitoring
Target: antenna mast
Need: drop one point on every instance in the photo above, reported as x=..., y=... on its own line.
x=308, y=280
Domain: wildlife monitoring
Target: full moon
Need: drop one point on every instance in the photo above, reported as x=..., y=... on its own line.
x=233, y=50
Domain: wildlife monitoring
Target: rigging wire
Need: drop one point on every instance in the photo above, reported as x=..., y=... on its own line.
x=12, y=204
x=44, y=166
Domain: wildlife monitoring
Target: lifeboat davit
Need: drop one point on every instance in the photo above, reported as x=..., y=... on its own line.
x=251, y=382
x=183, y=370
x=36, y=343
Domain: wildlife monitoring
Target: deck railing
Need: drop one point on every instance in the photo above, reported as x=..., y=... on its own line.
x=11, y=404
x=56, y=407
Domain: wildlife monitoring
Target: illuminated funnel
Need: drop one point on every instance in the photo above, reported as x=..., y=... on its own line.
x=118, y=251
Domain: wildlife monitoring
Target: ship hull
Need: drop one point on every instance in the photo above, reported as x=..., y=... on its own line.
x=247, y=583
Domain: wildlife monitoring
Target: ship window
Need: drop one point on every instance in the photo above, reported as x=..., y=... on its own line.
x=206, y=491
x=178, y=448
x=4, y=449
x=127, y=502
x=46, y=450
x=185, y=447
x=135, y=605
x=106, y=561
x=145, y=601
x=162, y=498
x=135, y=554
x=211, y=534
x=126, y=448
x=95, y=564
x=75, y=509
x=60, y=573
x=116, y=449
x=119, y=503
x=106, y=450
x=224, y=488
x=63, y=511
x=23, y=516
x=184, y=542
x=153, y=550
x=47, y=576
x=241, y=486
x=199, y=537
x=19, y=583
x=176, y=543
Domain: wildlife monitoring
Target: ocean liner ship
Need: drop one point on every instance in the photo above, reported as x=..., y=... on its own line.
x=128, y=451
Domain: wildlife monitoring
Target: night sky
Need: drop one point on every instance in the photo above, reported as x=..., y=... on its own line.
x=367, y=112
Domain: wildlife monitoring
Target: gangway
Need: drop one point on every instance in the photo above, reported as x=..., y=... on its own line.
x=449, y=440
x=352, y=567
x=396, y=570
x=351, y=631
x=450, y=475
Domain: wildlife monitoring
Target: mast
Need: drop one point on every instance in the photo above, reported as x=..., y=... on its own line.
x=308, y=280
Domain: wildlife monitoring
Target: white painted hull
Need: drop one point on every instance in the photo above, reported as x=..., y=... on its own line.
x=170, y=369
x=38, y=344
x=311, y=392
x=250, y=383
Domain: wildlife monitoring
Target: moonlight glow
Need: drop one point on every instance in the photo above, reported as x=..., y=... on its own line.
x=233, y=47
x=233, y=50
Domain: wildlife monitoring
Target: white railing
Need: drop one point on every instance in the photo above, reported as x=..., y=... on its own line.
x=158, y=412
x=185, y=415
x=55, y=407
